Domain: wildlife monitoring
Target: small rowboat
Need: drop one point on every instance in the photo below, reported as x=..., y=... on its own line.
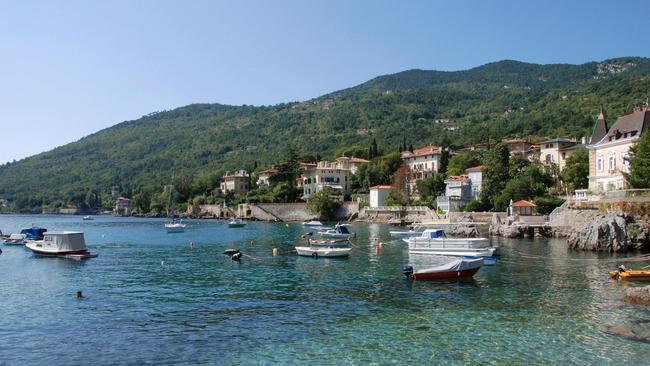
x=460, y=268
x=237, y=222
x=327, y=252
x=630, y=274
x=14, y=239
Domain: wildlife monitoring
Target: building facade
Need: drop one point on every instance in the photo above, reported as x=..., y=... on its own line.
x=237, y=182
x=475, y=175
x=122, y=206
x=263, y=177
x=378, y=195
x=423, y=163
x=608, y=152
x=335, y=175
x=557, y=151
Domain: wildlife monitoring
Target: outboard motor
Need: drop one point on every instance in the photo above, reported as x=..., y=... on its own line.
x=407, y=271
x=236, y=256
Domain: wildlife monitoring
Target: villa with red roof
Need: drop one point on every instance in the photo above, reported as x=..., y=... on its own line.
x=423, y=163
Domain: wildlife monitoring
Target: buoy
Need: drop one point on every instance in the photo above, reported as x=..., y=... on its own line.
x=287, y=225
x=191, y=245
x=79, y=295
x=251, y=243
x=275, y=251
x=162, y=263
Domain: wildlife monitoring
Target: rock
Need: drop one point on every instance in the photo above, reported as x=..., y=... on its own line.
x=467, y=231
x=611, y=232
x=637, y=295
x=507, y=228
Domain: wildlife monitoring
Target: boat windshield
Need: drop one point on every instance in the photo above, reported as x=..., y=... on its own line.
x=343, y=230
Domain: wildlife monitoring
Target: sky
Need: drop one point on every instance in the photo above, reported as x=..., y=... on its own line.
x=71, y=68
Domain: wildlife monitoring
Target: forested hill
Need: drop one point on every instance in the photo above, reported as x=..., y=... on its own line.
x=201, y=141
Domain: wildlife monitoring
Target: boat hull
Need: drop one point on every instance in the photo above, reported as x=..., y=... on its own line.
x=53, y=253
x=444, y=275
x=317, y=252
x=455, y=252
x=631, y=274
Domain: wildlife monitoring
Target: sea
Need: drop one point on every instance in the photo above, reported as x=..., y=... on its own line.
x=150, y=298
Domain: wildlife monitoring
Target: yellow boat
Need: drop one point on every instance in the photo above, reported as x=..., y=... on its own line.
x=630, y=274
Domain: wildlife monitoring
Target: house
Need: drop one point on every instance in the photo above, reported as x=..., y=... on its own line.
x=458, y=190
x=609, y=148
x=423, y=163
x=122, y=206
x=263, y=177
x=335, y=175
x=522, y=208
x=557, y=151
x=352, y=163
x=475, y=175
x=518, y=147
x=378, y=195
x=237, y=182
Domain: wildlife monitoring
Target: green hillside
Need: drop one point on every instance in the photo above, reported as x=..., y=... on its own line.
x=201, y=141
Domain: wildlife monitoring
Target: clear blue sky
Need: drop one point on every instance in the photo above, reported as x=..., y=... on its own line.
x=70, y=68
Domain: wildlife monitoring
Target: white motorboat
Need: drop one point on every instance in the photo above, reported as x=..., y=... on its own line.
x=338, y=231
x=237, y=222
x=312, y=223
x=433, y=241
x=175, y=226
x=61, y=244
x=328, y=252
x=88, y=218
x=14, y=239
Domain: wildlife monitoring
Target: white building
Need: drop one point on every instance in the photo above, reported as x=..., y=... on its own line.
x=423, y=163
x=236, y=182
x=335, y=175
x=475, y=175
x=353, y=163
x=378, y=195
x=263, y=177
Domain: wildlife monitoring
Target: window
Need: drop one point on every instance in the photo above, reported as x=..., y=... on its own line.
x=612, y=162
x=599, y=164
x=549, y=158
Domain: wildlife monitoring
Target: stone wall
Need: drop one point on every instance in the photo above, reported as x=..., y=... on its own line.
x=476, y=216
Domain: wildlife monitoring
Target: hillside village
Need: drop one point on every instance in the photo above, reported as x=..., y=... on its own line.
x=449, y=180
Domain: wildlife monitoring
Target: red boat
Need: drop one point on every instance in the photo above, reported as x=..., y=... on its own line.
x=460, y=268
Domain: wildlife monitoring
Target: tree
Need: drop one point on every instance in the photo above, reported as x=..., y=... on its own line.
x=401, y=188
x=576, y=172
x=430, y=188
x=639, y=159
x=287, y=171
x=461, y=161
x=351, y=151
x=444, y=162
x=495, y=176
x=324, y=203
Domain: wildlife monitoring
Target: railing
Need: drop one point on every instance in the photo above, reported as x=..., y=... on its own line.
x=622, y=195
x=398, y=208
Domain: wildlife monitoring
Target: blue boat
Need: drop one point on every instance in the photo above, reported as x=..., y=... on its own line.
x=34, y=233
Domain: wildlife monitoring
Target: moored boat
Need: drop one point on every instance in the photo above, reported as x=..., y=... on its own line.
x=404, y=234
x=14, y=239
x=312, y=223
x=340, y=243
x=460, y=268
x=61, y=244
x=175, y=226
x=327, y=252
x=34, y=233
x=237, y=222
x=434, y=241
x=88, y=218
x=623, y=273
x=338, y=231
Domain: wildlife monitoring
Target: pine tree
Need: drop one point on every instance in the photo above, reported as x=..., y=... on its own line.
x=639, y=159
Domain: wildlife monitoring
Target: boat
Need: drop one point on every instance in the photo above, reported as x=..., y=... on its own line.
x=33, y=233
x=175, y=226
x=312, y=223
x=487, y=261
x=434, y=241
x=14, y=239
x=339, y=243
x=88, y=218
x=69, y=244
x=338, y=231
x=236, y=222
x=623, y=273
x=327, y=252
x=459, y=268
x=403, y=234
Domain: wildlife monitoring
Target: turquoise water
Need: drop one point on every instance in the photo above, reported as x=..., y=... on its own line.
x=150, y=299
